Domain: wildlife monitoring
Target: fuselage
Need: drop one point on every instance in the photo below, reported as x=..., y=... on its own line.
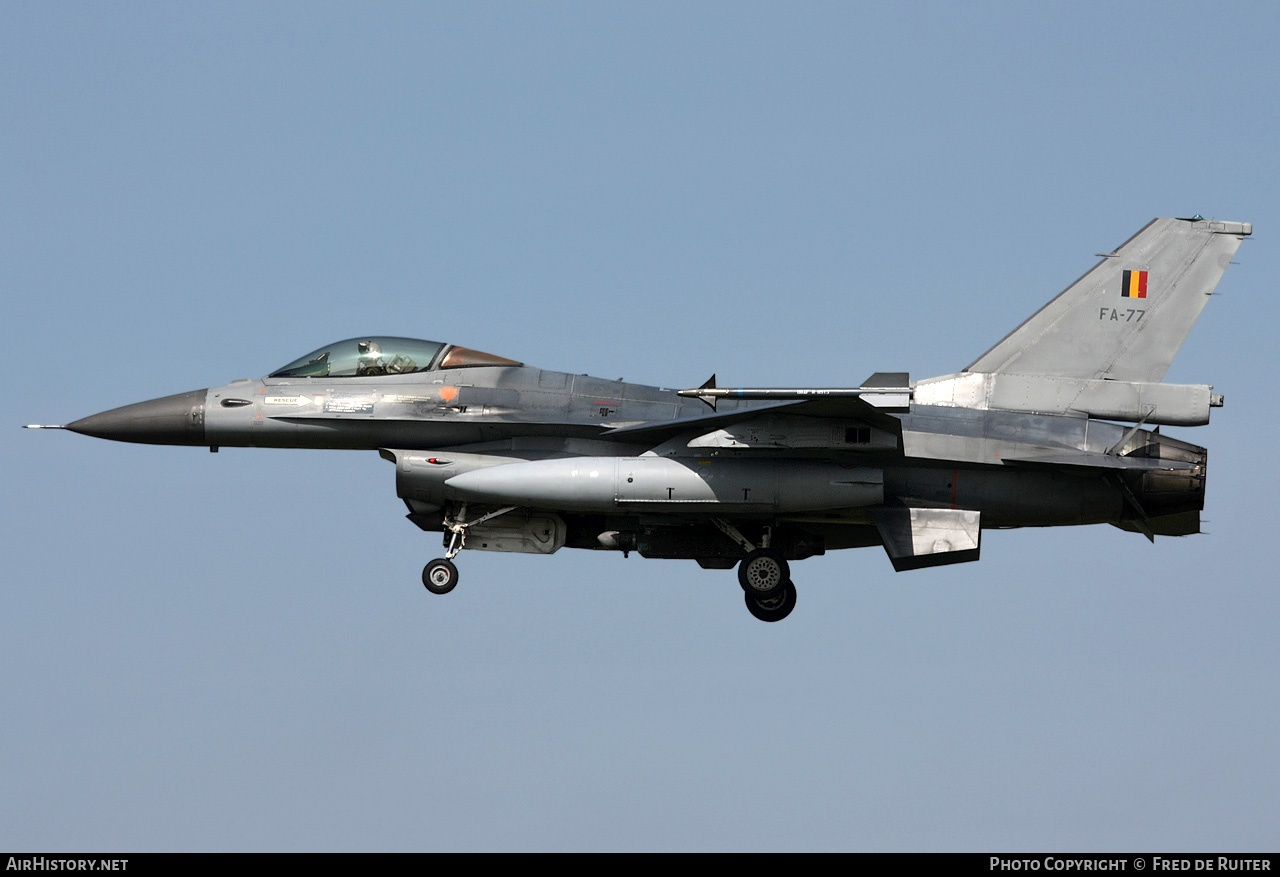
x=950, y=457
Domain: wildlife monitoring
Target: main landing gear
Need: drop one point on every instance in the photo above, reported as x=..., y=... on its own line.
x=764, y=575
x=440, y=576
x=773, y=608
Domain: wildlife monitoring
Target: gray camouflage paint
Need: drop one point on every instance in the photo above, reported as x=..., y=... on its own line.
x=557, y=459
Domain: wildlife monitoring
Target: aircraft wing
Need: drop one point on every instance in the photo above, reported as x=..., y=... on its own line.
x=851, y=408
x=841, y=408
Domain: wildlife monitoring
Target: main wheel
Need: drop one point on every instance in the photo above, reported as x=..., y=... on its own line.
x=763, y=573
x=440, y=576
x=773, y=608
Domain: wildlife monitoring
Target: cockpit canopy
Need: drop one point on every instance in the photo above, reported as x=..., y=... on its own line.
x=384, y=355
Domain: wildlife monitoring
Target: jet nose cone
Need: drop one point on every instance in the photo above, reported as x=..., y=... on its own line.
x=172, y=420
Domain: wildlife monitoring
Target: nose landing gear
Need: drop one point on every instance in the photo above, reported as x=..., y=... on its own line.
x=440, y=576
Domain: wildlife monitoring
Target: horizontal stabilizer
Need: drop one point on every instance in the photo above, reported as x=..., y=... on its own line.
x=916, y=538
x=1180, y=524
x=1106, y=461
x=1155, y=403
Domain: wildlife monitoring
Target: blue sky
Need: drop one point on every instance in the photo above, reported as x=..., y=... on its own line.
x=204, y=652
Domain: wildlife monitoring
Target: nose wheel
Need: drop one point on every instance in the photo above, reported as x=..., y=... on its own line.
x=440, y=576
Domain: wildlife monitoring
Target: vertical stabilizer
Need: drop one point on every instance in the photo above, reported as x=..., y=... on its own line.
x=1127, y=317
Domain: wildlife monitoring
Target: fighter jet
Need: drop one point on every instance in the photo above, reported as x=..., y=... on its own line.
x=1057, y=424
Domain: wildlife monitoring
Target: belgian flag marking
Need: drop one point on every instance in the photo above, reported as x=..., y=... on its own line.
x=1134, y=284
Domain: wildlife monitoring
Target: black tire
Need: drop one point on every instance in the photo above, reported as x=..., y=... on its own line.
x=440, y=576
x=773, y=608
x=763, y=573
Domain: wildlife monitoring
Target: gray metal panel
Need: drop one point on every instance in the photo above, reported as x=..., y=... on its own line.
x=520, y=533
x=1091, y=330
